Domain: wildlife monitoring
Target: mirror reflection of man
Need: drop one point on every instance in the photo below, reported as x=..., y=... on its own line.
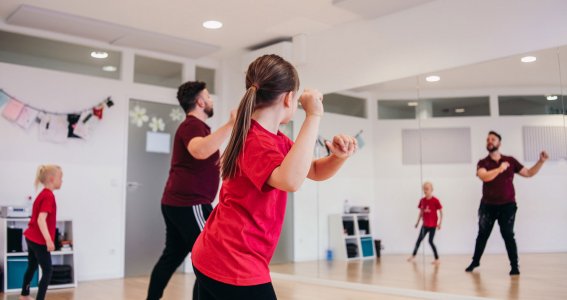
x=498, y=201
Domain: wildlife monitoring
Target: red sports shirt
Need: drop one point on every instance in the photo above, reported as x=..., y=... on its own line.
x=45, y=202
x=242, y=232
x=429, y=208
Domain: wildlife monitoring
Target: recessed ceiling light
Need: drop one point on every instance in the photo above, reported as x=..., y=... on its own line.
x=99, y=54
x=212, y=24
x=552, y=97
x=109, y=68
x=412, y=103
x=529, y=59
x=459, y=110
x=432, y=78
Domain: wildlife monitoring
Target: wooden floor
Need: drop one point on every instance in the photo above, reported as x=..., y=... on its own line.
x=180, y=287
x=543, y=276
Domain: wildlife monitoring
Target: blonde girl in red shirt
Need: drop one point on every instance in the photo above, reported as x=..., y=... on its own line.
x=259, y=167
x=428, y=206
x=40, y=233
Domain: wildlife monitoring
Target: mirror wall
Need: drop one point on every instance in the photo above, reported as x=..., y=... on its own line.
x=415, y=131
x=522, y=101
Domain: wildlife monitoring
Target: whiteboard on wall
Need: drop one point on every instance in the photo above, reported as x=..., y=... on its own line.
x=437, y=145
x=552, y=139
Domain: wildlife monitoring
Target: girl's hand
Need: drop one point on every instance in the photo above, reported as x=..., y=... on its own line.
x=312, y=102
x=343, y=146
x=439, y=227
x=50, y=246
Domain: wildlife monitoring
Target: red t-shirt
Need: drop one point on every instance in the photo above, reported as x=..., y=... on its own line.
x=501, y=189
x=191, y=181
x=429, y=208
x=45, y=202
x=243, y=230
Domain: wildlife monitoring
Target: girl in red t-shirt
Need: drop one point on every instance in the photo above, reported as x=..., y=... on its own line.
x=259, y=167
x=40, y=233
x=428, y=208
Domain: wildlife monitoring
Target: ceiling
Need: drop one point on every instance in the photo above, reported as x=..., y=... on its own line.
x=246, y=22
x=507, y=72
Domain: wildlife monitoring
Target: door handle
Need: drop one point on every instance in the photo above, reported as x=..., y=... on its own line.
x=132, y=185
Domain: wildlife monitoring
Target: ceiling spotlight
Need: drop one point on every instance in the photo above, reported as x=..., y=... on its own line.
x=212, y=24
x=459, y=110
x=528, y=59
x=99, y=54
x=432, y=78
x=412, y=103
x=552, y=97
x=109, y=68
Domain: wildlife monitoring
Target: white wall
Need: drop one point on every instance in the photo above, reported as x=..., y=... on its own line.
x=93, y=192
x=541, y=218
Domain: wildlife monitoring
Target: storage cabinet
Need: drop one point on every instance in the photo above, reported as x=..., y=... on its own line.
x=350, y=236
x=14, y=256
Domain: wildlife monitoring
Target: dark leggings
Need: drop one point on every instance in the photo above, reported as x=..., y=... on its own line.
x=210, y=289
x=505, y=214
x=425, y=230
x=37, y=254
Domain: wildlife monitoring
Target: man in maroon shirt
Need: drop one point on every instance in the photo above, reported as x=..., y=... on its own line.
x=192, y=184
x=499, y=199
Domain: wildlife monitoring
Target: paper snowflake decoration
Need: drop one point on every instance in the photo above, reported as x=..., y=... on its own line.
x=157, y=124
x=176, y=115
x=138, y=116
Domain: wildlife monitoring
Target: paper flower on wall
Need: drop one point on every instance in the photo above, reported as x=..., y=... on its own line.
x=157, y=124
x=176, y=115
x=138, y=116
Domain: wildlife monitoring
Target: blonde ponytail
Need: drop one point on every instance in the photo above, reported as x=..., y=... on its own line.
x=39, y=176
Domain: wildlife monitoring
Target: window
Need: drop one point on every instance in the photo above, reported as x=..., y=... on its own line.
x=345, y=105
x=396, y=109
x=434, y=108
x=530, y=105
x=458, y=106
x=208, y=76
x=157, y=72
x=43, y=53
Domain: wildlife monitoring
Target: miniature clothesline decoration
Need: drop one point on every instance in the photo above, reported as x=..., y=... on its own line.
x=53, y=126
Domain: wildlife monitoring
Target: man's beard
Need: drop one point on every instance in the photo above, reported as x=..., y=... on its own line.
x=209, y=111
x=493, y=149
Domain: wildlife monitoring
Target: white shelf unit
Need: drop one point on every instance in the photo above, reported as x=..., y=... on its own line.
x=60, y=257
x=351, y=231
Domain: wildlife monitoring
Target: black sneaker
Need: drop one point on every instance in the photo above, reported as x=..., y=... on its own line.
x=471, y=267
x=515, y=271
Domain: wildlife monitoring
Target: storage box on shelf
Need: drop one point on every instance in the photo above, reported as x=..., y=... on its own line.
x=14, y=255
x=350, y=236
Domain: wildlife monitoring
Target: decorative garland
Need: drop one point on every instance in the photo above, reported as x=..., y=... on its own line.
x=55, y=127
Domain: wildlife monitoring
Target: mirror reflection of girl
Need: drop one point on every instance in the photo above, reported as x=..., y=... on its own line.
x=260, y=165
x=40, y=233
x=429, y=207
